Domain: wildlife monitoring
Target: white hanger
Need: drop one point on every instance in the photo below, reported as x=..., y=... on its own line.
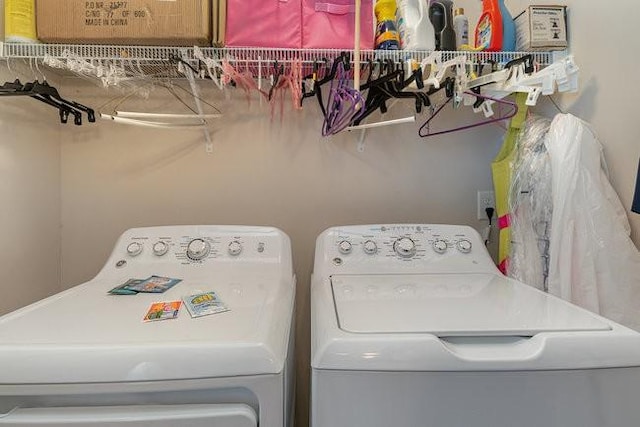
x=561, y=76
x=439, y=71
x=214, y=67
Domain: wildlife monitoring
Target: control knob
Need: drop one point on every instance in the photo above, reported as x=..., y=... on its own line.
x=405, y=247
x=464, y=246
x=235, y=248
x=370, y=247
x=134, y=249
x=160, y=248
x=440, y=246
x=345, y=247
x=198, y=249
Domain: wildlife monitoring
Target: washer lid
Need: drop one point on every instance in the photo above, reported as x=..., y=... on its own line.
x=453, y=305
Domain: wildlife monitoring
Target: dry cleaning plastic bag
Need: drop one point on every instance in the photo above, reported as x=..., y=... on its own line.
x=531, y=206
x=593, y=262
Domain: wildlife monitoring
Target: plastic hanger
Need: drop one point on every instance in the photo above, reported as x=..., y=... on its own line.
x=328, y=77
x=43, y=93
x=561, y=76
x=243, y=80
x=344, y=104
x=390, y=86
x=51, y=92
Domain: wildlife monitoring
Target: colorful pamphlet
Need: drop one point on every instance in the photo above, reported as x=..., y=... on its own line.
x=155, y=284
x=124, y=288
x=163, y=311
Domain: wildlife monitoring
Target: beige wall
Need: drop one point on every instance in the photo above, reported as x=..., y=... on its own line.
x=30, y=196
x=280, y=173
x=609, y=95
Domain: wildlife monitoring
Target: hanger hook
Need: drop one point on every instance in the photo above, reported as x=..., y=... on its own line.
x=9, y=67
x=35, y=77
x=40, y=71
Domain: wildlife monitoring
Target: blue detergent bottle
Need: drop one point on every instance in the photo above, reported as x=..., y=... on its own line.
x=508, y=29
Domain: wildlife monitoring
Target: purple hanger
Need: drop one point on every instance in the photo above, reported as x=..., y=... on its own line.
x=344, y=104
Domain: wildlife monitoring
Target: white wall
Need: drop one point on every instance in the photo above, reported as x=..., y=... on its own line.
x=606, y=50
x=30, y=200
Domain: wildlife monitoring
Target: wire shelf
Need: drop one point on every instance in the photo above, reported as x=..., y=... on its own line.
x=156, y=61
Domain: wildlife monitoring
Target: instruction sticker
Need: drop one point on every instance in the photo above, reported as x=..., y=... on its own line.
x=204, y=304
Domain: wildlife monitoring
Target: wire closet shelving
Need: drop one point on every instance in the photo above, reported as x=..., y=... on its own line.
x=159, y=61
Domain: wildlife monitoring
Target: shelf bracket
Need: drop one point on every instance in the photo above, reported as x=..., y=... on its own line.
x=196, y=96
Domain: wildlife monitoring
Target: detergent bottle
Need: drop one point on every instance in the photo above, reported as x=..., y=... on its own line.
x=461, y=27
x=414, y=25
x=387, y=37
x=20, y=21
x=441, y=15
x=508, y=29
x=490, y=27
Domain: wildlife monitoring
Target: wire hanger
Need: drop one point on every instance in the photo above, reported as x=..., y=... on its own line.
x=195, y=120
x=425, y=130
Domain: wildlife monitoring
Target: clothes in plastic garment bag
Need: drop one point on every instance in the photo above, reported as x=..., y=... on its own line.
x=593, y=261
x=531, y=206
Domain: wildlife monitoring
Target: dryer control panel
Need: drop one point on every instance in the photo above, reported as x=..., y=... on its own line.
x=201, y=248
x=401, y=248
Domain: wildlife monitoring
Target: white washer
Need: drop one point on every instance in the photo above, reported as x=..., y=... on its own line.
x=415, y=326
x=86, y=358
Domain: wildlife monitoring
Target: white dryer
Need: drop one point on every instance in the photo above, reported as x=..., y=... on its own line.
x=84, y=357
x=413, y=325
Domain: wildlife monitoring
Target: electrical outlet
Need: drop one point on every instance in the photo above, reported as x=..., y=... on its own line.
x=486, y=199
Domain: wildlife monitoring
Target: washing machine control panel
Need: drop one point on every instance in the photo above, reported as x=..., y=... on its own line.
x=193, y=246
x=388, y=247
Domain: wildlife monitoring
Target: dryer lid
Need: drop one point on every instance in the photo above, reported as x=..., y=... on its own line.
x=85, y=335
x=453, y=305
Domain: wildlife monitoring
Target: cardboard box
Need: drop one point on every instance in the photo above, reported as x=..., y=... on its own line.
x=542, y=28
x=137, y=22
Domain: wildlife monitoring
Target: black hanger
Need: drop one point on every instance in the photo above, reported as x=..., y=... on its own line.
x=14, y=88
x=49, y=95
x=63, y=110
x=527, y=60
x=44, y=93
x=317, y=87
x=278, y=72
x=393, y=85
x=51, y=92
x=313, y=77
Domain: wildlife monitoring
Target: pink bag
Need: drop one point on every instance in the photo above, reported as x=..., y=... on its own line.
x=328, y=24
x=264, y=23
